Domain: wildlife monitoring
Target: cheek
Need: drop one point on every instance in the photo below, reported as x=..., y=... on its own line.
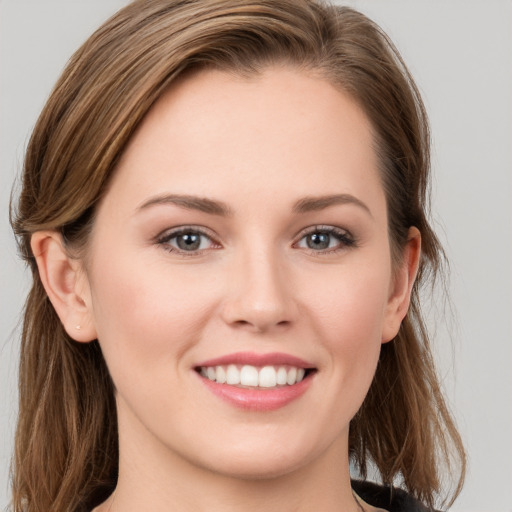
x=350, y=306
x=146, y=316
x=349, y=320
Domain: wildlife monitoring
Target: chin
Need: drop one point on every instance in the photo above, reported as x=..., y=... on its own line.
x=263, y=460
x=258, y=468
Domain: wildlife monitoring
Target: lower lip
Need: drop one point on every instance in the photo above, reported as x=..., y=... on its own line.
x=258, y=399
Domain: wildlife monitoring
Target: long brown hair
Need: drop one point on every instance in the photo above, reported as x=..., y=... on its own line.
x=66, y=451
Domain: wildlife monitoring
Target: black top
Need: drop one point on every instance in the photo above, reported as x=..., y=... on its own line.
x=388, y=498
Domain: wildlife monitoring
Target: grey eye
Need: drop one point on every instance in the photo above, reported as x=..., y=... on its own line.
x=326, y=239
x=319, y=241
x=188, y=241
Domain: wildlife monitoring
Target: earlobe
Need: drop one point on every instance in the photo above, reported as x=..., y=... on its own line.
x=65, y=283
x=400, y=293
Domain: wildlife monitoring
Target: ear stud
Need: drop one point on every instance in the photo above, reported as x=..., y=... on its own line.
x=78, y=327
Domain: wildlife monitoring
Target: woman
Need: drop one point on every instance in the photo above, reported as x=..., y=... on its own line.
x=224, y=209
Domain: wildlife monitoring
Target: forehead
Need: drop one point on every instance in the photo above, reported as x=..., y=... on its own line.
x=282, y=130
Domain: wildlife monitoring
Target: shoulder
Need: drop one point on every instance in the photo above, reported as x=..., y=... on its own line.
x=388, y=498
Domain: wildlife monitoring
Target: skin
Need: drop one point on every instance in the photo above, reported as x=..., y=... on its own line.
x=259, y=146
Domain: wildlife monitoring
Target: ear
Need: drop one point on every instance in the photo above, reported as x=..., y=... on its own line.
x=401, y=287
x=65, y=283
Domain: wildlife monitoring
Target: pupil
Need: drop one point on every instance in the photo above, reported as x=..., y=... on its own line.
x=189, y=242
x=318, y=241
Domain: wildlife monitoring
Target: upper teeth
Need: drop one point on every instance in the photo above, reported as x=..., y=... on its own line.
x=247, y=375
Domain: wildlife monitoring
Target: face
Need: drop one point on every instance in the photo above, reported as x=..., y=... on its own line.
x=239, y=275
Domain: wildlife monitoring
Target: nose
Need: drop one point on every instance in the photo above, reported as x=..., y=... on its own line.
x=260, y=296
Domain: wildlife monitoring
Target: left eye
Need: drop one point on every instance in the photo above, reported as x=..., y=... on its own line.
x=187, y=241
x=325, y=239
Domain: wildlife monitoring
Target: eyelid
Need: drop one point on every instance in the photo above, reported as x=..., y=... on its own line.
x=347, y=240
x=329, y=228
x=168, y=234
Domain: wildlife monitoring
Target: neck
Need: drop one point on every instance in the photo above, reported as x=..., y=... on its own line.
x=196, y=489
x=152, y=478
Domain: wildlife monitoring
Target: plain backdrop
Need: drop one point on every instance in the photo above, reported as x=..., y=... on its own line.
x=460, y=52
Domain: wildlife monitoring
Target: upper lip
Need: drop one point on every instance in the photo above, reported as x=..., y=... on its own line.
x=255, y=359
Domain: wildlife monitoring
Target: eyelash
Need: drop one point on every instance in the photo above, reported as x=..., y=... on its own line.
x=165, y=239
x=345, y=239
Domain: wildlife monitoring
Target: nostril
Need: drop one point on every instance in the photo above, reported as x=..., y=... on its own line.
x=260, y=325
x=241, y=323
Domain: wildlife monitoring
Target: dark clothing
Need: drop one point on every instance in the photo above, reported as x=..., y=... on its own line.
x=388, y=498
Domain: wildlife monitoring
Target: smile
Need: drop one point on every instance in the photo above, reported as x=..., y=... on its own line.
x=253, y=376
x=257, y=382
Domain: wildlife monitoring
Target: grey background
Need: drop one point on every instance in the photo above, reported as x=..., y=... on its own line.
x=460, y=52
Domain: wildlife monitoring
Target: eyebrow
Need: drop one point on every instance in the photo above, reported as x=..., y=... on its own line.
x=201, y=204
x=310, y=204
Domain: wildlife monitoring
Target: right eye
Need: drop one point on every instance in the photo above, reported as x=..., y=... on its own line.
x=187, y=240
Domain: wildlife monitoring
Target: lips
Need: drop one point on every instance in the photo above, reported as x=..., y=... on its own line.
x=260, y=382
